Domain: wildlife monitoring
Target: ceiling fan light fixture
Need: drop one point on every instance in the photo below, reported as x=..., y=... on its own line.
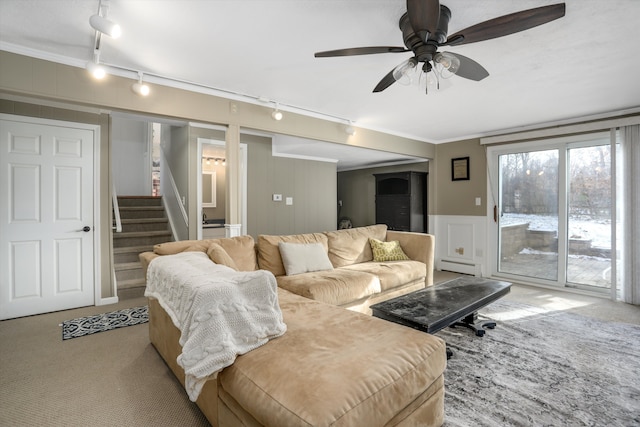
x=402, y=73
x=449, y=64
x=105, y=26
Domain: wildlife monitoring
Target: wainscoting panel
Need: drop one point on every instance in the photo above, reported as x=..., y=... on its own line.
x=460, y=243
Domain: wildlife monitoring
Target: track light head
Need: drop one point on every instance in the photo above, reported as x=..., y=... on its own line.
x=105, y=26
x=350, y=129
x=139, y=87
x=96, y=70
x=276, y=114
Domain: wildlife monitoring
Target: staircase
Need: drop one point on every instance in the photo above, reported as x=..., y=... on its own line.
x=144, y=224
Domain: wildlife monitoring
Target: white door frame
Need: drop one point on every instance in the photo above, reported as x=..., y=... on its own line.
x=243, y=184
x=97, y=288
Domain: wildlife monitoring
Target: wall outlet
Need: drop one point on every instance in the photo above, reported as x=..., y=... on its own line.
x=478, y=201
x=184, y=200
x=289, y=201
x=277, y=197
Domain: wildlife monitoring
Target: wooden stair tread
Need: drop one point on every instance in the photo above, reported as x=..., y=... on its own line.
x=139, y=197
x=143, y=220
x=131, y=283
x=132, y=249
x=119, y=266
x=141, y=208
x=126, y=234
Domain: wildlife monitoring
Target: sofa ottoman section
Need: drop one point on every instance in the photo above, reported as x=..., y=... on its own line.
x=314, y=375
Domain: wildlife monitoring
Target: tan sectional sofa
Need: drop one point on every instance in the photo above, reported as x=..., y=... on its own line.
x=333, y=367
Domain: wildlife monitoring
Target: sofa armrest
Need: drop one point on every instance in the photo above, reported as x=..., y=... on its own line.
x=145, y=258
x=418, y=247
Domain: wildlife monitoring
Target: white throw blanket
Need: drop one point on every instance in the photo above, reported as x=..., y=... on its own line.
x=221, y=313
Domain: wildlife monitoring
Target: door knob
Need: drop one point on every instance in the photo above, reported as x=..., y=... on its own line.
x=86, y=228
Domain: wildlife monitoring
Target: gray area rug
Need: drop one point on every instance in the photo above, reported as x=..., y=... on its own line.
x=541, y=368
x=82, y=326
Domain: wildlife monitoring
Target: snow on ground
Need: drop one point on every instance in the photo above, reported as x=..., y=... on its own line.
x=598, y=231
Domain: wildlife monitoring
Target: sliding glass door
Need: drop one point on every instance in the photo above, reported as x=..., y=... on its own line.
x=589, y=213
x=529, y=214
x=554, y=212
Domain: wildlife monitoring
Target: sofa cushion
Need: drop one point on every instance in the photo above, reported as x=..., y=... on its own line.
x=269, y=253
x=304, y=257
x=387, y=251
x=336, y=287
x=218, y=255
x=392, y=274
x=242, y=250
x=314, y=375
x=351, y=246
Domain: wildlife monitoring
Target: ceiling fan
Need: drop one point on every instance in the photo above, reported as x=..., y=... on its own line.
x=424, y=29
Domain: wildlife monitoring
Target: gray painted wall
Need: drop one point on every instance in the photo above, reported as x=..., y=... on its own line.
x=311, y=184
x=357, y=191
x=131, y=165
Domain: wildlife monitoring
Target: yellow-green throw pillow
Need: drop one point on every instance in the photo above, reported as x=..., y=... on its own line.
x=387, y=251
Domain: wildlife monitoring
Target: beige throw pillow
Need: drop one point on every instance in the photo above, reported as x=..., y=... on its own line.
x=387, y=251
x=303, y=257
x=218, y=255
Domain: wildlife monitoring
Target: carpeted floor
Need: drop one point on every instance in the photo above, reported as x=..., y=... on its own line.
x=543, y=368
x=117, y=377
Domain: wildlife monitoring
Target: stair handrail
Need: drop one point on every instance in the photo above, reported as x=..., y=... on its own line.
x=116, y=209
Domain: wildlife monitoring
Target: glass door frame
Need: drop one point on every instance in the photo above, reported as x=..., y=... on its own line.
x=562, y=144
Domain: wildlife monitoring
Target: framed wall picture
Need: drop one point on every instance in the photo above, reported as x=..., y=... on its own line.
x=460, y=169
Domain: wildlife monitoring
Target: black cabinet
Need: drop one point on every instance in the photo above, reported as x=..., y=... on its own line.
x=401, y=200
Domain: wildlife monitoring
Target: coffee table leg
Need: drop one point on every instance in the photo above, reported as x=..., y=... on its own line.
x=470, y=322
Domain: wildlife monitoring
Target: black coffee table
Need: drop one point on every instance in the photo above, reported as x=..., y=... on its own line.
x=452, y=303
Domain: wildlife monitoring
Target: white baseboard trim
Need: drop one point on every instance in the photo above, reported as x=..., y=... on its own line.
x=107, y=301
x=459, y=267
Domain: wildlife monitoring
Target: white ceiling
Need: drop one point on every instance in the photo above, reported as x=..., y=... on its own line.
x=584, y=64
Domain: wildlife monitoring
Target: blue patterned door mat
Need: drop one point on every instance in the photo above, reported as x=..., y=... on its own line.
x=82, y=326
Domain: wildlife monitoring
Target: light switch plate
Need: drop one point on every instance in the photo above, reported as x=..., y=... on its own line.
x=289, y=201
x=277, y=197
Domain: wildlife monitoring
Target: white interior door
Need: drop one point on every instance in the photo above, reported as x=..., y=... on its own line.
x=46, y=219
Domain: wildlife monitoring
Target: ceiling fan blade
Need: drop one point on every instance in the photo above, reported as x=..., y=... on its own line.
x=423, y=16
x=469, y=69
x=386, y=81
x=507, y=24
x=360, y=51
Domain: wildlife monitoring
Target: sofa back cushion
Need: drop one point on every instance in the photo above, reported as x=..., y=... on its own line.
x=241, y=249
x=351, y=246
x=269, y=253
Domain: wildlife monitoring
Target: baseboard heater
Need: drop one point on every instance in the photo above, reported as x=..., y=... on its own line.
x=461, y=267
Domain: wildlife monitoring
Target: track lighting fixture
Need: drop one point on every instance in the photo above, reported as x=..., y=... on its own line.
x=94, y=67
x=139, y=87
x=208, y=161
x=350, y=129
x=105, y=26
x=276, y=114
